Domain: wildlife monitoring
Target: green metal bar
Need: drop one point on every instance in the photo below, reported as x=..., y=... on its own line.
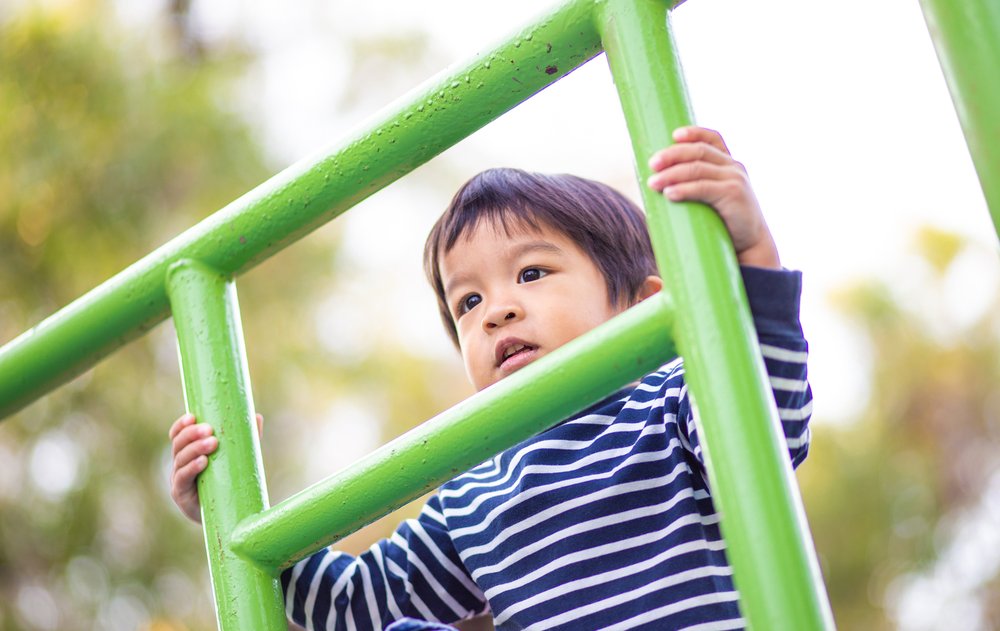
x=217, y=391
x=966, y=34
x=767, y=539
x=298, y=200
x=537, y=396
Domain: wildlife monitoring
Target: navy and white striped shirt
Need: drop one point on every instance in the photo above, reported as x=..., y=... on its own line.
x=602, y=522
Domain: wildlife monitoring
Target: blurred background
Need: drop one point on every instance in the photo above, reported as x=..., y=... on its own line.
x=124, y=122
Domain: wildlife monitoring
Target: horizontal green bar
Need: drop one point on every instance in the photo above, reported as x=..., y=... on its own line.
x=417, y=127
x=541, y=394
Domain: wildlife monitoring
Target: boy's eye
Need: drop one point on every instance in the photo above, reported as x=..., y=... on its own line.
x=468, y=303
x=530, y=274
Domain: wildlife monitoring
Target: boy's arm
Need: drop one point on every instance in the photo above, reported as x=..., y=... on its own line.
x=699, y=167
x=415, y=573
x=774, y=303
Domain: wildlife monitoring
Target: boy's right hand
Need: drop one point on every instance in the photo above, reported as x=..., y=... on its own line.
x=192, y=443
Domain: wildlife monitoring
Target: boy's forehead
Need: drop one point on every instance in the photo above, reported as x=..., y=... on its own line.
x=511, y=234
x=500, y=225
x=477, y=247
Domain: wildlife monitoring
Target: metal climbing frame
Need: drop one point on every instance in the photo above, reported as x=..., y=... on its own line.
x=703, y=308
x=966, y=36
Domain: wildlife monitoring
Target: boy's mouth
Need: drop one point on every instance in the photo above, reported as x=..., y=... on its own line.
x=512, y=353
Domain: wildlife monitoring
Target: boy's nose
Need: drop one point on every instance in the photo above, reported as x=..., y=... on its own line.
x=502, y=315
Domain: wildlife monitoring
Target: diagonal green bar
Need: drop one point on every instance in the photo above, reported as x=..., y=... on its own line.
x=767, y=540
x=535, y=397
x=411, y=131
x=217, y=391
x=966, y=34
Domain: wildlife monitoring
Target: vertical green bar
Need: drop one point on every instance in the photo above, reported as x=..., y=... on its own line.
x=767, y=539
x=966, y=34
x=217, y=391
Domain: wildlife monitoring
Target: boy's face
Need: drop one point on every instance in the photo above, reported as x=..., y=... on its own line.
x=517, y=297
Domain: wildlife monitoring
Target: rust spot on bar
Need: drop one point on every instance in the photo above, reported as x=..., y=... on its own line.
x=551, y=69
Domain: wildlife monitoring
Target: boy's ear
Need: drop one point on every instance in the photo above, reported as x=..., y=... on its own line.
x=650, y=286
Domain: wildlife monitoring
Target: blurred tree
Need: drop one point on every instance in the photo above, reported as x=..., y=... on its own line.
x=880, y=491
x=105, y=152
x=110, y=144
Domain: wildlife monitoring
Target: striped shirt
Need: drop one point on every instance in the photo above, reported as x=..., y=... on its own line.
x=604, y=521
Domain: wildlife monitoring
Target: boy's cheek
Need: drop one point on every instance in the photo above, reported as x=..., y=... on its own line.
x=464, y=349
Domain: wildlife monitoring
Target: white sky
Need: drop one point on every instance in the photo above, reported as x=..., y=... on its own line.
x=841, y=116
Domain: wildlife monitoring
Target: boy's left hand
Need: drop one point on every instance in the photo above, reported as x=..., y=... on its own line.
x=698, y=168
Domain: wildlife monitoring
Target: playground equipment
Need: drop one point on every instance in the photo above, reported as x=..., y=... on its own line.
x=703, y=310
x=966, y=36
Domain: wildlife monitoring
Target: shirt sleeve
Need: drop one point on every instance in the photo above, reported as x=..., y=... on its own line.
x=774, y=297
x=415, y=573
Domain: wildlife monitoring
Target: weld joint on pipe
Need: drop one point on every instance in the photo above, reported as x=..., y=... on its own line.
x=241, y=544
x=184, y=266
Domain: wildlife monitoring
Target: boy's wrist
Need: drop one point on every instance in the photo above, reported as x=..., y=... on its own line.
x=763, y=254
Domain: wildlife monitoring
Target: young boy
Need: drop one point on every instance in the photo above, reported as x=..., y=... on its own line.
x=604, y=521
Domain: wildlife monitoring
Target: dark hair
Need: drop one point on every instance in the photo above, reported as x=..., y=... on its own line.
x=605, y=224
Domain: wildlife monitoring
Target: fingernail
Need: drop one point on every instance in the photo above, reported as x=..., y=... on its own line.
x=210, y=441
x=680, y=133
x=672, y=193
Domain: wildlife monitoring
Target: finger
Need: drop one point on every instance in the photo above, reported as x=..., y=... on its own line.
x=188, y=435
x=706, y=191
x=688, y=152
x=260, y=424
x=689, y=172
x=695, y=133
x=179, y=424
x=191, y=451
x=184, y=478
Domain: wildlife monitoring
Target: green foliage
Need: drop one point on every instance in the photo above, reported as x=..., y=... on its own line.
x=105, y=152
x=879, y=490
x=100, y=134
x=109, y=146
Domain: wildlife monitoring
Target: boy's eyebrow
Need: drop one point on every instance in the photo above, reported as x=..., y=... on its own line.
x=534, y=246
x=457, y=279
x=517, y=251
